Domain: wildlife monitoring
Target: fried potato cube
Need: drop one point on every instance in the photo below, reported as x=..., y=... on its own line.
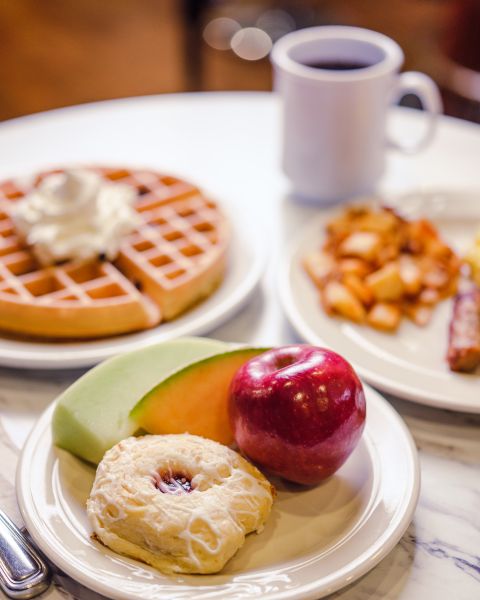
x=436, y=277
x=362, y=244
x=422, y=228
x=354, y=266
x=387, y=253
x=319, y=266
x=386, y=283
x=429, y=296
x=410, y=274
x=385, y=316
x=419, y=313
x=440, y=275
x=339, y=299
x=339, y=226
x=354, y=211
x=355, y=284
x=419, y=235
x=437, y=249
x=454, y=263
x=382, y=221
x=452, y=286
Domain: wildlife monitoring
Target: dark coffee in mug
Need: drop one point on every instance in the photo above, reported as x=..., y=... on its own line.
x=337, y=65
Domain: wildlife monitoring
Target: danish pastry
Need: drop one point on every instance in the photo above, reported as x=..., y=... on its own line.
x=180, y=503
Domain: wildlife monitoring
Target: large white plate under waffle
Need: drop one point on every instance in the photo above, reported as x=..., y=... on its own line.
x=245, y=267
x=411, y=362
x=316, y=540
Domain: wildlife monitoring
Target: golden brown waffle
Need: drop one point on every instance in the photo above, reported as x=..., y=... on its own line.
x=173, y=259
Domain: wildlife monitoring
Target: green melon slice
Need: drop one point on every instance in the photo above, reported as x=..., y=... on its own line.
x=194, y=399
x=92, y=415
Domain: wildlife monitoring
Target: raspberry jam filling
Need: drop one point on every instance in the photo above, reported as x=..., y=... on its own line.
x=173, y=483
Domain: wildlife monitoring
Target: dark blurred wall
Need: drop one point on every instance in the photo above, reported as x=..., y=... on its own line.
x=60, y=52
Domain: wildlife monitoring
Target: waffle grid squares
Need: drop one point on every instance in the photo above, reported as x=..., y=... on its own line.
x=57, y=284
x=175, y=238
x=181, y=235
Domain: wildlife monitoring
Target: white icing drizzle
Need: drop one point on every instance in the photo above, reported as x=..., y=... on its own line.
x=195, y=532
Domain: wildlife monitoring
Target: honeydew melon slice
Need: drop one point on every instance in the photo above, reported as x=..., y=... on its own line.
x=194, y=399
x=92, y=415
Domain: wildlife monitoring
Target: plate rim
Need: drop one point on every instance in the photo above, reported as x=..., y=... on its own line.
x=61, y=358
x=400, y=389
x=369, y=557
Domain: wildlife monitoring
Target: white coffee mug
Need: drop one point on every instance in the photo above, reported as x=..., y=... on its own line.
x=337, y=84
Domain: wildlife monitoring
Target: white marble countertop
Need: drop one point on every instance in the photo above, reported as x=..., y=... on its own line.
x=439, y=555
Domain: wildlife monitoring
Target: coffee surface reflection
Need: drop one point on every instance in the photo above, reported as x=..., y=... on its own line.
x=337, y=65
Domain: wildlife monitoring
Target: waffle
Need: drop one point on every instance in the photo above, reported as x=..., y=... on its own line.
x=174, y=258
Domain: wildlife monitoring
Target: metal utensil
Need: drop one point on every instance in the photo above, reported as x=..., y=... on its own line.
x=23, y=573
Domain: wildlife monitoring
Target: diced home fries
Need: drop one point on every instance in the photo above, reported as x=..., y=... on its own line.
x=376, y=266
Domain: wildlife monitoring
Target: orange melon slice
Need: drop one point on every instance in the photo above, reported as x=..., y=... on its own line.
x=194, y=399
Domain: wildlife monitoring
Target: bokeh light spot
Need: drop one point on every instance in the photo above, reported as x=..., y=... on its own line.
x=251, y=43
x=218, y=33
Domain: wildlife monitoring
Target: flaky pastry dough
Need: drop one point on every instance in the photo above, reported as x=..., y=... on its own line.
x=181, y=531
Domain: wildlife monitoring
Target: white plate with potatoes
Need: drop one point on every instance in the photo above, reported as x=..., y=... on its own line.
x=389, y=350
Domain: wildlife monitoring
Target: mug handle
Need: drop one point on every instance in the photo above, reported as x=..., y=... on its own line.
x=426, y=90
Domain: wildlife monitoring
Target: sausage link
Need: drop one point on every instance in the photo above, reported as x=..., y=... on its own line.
x=464, y=333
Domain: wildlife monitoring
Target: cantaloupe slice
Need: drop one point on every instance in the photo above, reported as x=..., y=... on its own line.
x=93, y=414
x=195, y=399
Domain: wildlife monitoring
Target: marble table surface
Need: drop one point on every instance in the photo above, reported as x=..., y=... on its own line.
x=439, y=555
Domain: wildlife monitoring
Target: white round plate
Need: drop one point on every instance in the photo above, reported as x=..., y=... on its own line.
x=411, y=362
x=245, y=268
x=316, y=540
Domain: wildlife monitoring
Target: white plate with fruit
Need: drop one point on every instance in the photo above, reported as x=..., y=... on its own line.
x=409, y=360
x=316, y=540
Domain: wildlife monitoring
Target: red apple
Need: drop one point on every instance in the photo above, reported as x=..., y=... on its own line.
x=298, y=411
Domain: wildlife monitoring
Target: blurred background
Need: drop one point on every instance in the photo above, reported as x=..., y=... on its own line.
x=62, y=52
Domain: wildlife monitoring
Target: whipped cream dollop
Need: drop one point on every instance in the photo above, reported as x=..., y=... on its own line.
x=75, y=214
